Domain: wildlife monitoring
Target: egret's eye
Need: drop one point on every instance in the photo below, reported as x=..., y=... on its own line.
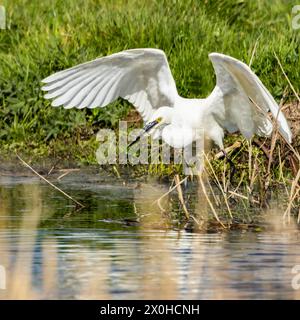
x=159, y=119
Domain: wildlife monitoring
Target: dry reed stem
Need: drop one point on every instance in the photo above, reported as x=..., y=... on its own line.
x=209, y=202
x=295, y=182
x=66, y=172
x=254, y=51
x=234, y=146
x=168, y=192
x=238, y=185
x=253, y=175
x=180, y=196
x=218, y=203
x=219, y=185
x=250, y=150
x=293, y=195
x=275, y=132
x=287, y=78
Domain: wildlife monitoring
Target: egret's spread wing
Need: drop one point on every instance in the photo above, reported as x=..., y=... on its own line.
x=246, y=99
x=141, y=76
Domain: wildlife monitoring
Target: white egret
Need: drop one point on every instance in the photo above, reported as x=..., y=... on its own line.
x=239, y=101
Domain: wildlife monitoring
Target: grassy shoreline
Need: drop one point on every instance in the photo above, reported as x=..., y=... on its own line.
x=43, y=37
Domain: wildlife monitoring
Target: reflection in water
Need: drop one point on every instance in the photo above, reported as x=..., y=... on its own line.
x=51, y=251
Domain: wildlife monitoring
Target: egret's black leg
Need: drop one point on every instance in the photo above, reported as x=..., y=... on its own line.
x=232, y=166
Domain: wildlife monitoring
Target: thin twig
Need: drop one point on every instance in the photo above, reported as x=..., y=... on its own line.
x=293, y=195
x=209, y=202
x=254, y=51
x=242, y=196
x=234, y=146
x=165, y=194
x=180, y=196
x=239, y=184
x=50, y=171
x=66, y=172
x=218, y=203
x=219, y=185
x=287, y=78
x=50, y=183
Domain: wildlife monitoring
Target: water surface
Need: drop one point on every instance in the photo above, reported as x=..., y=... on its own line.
x=51, y=250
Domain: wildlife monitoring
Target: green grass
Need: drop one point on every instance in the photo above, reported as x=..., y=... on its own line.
x=47, y=36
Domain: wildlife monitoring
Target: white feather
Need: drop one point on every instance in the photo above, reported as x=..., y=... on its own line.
x=239, y=101
x=144, y=70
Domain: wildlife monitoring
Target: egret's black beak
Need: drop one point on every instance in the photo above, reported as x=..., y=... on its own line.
x=147, y=128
